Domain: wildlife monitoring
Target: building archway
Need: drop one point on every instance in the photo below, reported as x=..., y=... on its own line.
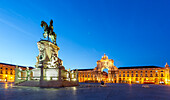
x=106, y=63
x=105, y=75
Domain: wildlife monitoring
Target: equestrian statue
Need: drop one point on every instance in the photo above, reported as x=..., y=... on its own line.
x=48, y=31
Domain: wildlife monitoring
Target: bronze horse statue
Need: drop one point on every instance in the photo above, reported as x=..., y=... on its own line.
x=48, y=31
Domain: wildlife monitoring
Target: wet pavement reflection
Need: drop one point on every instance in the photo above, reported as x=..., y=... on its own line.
x=86, y=91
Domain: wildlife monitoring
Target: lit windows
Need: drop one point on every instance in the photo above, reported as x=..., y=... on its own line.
x=140, y=75
x=156, y=75
x=151, y=75
x=136, y=75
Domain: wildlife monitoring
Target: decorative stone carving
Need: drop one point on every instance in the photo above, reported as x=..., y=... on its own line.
x=48, y=55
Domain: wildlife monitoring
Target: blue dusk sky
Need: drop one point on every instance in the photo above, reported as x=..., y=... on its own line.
x=131, y=32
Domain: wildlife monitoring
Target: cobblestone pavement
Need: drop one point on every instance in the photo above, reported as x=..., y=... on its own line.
x=87, y=92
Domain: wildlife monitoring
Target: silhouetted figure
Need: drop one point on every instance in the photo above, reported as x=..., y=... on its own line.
x=102, y=82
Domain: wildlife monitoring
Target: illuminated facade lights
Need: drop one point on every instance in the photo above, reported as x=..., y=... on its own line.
x=7, y=72
x=136, y=74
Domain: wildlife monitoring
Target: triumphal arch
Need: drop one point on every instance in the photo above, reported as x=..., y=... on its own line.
x=98, y=74
x=106, y=63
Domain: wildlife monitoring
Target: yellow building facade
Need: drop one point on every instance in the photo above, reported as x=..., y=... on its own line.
x=135, y=74
x=7, y=72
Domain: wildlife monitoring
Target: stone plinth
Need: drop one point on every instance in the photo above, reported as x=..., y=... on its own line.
x=49, y=71
x=48, y=84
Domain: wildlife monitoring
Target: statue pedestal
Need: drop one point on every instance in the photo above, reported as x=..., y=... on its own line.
x=50, y=71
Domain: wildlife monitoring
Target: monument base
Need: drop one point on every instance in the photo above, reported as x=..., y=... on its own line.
x=49, y=71
x=48, y=84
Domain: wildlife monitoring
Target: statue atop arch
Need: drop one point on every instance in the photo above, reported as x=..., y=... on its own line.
x=48, y=31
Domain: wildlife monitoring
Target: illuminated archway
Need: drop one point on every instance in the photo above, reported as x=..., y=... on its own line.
x=106, y=63
x=105, y=75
